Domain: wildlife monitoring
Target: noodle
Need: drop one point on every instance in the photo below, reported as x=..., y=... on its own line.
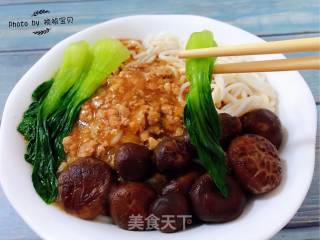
x=183, y=88
x=234, y=94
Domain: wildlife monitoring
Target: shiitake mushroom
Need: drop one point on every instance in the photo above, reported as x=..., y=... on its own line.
x=172, y=211
x=265, y=123
x=255, y=162
x=83, y=187
x=171, y=155
x=130, y=199
x=157, y=182
x=181, y=184
x=230, y=128
x=210, y=205
x=133, y=162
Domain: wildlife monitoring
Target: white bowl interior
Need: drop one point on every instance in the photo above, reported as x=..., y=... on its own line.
x=262, y=218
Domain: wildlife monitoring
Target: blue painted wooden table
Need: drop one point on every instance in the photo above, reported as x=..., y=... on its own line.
x=269, y=19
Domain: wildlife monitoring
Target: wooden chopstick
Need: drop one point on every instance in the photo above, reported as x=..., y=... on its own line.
x=286, y=46
x=303, y=63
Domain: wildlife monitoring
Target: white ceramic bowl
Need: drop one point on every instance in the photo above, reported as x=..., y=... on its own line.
x=261, y=219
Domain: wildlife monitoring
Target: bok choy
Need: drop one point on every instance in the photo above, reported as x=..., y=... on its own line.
x=47, y=95
x=108, y=54
x=56, y=104
x=200, y=116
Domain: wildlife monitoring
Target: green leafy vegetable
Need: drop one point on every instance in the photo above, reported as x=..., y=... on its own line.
x=29, y=120
x=76, y=62
x=108, y=54
x=47, y=95
x=46, y=98
x=45, y=166
x=56, y=104
x=200, y=116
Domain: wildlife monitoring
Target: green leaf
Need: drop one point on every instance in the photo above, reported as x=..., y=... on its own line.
x=76, y=62
x=56, y=105
x=200, y=115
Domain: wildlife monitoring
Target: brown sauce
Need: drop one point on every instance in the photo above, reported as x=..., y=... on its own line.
x=139, y=103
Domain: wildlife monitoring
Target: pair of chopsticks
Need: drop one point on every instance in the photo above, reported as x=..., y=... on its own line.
x=286, y=46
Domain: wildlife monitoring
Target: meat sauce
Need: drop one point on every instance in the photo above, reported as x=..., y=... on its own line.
x=138, y=104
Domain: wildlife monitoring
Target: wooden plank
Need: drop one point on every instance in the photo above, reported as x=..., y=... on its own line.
x=12, y=68
x=311, y=233
x=260, y=17
x=23, y=2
